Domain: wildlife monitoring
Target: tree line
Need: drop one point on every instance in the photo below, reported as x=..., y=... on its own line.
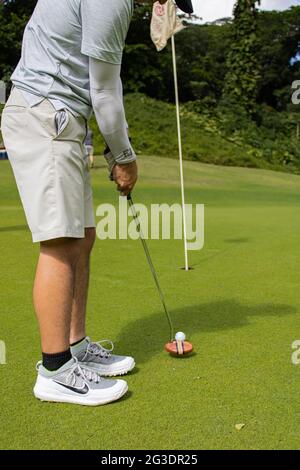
x=237, y=72
x=252, y=58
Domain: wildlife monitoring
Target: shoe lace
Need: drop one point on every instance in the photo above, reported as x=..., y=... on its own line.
x=83, y=372
x=78, y=371
x=98, y=349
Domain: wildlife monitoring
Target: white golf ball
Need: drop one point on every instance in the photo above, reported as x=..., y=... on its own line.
x=180, y=336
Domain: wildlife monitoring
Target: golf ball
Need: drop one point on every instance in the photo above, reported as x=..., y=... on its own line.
x=180, y=336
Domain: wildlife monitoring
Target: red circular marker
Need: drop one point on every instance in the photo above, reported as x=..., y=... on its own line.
x=179, y=348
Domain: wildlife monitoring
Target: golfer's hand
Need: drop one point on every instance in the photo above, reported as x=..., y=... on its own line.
x=125, y=176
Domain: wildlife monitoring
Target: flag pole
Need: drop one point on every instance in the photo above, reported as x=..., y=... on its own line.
x=186, y=262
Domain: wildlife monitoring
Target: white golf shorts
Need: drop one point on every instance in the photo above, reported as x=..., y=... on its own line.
x=47, y=154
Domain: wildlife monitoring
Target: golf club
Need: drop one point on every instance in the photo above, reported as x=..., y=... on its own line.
x=177, y=346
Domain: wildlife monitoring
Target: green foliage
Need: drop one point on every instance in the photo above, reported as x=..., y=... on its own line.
x=279, y=39
x=13, y=18
x=154, y=132
x=146, y=71
x=241, y=82
x=270, y=140
x=222, y=136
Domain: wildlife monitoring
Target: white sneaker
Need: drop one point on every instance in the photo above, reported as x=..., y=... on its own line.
x=95, y=356
x=73, y=383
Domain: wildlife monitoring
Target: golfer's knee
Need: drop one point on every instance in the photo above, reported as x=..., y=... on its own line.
x=90, y=237
x=66, y=250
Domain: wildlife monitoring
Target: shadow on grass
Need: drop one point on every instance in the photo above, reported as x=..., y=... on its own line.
x=146, y=336
x=219, y=252
x=14, y=228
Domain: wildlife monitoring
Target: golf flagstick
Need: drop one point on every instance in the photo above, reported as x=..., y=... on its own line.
x=186, y=261
x=147, y=253
x=164, y=25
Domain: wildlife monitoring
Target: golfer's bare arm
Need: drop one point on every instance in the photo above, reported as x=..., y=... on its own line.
x=110, y=114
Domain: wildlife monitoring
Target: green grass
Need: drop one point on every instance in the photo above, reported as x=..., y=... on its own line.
x=153, y=130
x=206, y=138
x=240, y=307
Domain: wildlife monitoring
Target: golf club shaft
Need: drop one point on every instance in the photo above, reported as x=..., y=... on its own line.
x=147, y=253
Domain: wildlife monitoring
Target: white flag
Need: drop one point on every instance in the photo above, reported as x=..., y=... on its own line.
x=164, y=24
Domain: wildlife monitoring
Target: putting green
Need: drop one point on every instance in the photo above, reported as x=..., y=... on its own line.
x=240, y=307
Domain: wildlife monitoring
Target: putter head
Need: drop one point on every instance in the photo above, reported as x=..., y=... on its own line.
x=179, y=348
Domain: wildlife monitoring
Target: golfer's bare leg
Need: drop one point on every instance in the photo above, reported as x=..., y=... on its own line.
x=81, y=287
x=53, y=291
x=91, y=157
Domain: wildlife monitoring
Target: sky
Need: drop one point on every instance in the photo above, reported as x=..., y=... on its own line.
x=211, y=10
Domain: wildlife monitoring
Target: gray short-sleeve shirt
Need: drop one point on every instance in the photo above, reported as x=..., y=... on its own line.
x=58, y=41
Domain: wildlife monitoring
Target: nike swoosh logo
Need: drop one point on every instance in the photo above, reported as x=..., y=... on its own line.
x=81, y=391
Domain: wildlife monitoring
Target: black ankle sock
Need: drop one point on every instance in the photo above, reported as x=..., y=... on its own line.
x=55, y=361
x=77, y=342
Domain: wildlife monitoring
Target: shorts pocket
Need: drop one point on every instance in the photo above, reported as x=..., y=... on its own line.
x=12, y=108
x=62, y=119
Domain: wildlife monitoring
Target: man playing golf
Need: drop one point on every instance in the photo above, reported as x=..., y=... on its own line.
x=70, y=65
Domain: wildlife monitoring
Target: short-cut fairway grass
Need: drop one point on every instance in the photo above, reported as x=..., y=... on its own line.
x=240, y=306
